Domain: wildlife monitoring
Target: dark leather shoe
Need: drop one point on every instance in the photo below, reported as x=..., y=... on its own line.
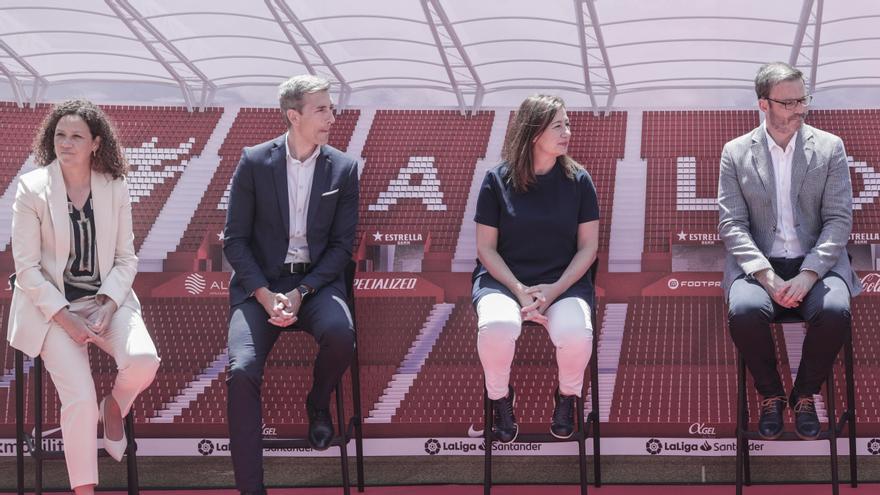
x=771, y=422
x=562, y=424
x=253, y=492
x=320, y=426
x=806, y=421
x=505, y=428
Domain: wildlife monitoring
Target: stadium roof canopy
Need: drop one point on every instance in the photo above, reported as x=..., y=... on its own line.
x=596, y=53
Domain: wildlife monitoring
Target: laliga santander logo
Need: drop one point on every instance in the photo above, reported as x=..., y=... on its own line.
x=432, y=446
x=195, y=283
x=206, y=447
x=871, y=282
x=673, y=283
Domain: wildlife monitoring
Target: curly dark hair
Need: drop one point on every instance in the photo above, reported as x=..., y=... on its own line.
x=108, y=159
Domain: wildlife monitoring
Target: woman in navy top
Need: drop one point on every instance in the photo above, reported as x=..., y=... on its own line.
x=537, y=235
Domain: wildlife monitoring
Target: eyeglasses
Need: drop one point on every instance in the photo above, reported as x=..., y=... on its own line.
x=792, y=104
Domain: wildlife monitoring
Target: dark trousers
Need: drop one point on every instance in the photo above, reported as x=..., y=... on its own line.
x=326, y=317
x=825, y=309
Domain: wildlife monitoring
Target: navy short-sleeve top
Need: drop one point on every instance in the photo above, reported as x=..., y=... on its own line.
x=537, y=229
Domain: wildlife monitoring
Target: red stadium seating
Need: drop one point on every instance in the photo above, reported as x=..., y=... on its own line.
x=866, y=353
x=18, y=127
x=446, y=145
x=449, y=388
x=386, y=329
x=668, y=136
x=597, y=143
x=158, y=139
x=860, y=130
x=678, y=366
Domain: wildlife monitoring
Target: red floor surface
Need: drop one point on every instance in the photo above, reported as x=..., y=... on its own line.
x=864, y=489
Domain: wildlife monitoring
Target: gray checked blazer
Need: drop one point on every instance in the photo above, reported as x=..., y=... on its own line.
x=821, y=195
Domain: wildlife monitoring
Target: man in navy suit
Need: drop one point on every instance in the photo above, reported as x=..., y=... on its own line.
x=290, y=227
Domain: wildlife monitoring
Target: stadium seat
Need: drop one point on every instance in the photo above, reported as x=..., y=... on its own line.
x=35, y=442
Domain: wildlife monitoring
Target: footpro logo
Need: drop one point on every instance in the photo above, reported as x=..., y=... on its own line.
x=206, y=447
x=673, y=283
x=432, y=446
x=874, y=446
x=654, y=446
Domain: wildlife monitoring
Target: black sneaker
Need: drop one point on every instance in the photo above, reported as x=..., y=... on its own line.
x=320, y=426
x=771, y=422
x=806, y=421
x=505, y=428
x=562, y=423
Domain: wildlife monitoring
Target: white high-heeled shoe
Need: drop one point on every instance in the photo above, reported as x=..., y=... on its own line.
x=116, y=448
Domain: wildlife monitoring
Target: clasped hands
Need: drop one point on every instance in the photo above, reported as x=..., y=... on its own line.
x=281, y=307
x=787, y=293
x=88, y=329
x=535, y=300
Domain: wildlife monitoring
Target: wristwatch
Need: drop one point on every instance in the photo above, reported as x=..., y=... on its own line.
x=304, y=290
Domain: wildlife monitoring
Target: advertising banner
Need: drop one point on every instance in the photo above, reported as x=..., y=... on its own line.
x=396, y=237
x=384, y=447
x=686, y=284
x=694, y=237
x=366, y=284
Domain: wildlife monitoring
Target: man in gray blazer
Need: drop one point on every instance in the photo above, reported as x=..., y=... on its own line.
x=785, y=202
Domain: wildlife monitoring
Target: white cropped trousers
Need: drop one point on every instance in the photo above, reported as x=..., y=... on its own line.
x=499, y=324
x=67, y=362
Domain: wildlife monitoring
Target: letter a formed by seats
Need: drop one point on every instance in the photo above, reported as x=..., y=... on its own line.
x=401, y=187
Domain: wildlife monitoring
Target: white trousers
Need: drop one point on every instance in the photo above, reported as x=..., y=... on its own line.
x=499, y=324
x=67, y=362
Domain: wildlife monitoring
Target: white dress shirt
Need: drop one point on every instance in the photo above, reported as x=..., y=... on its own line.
x=299, y=187
x=786, y=243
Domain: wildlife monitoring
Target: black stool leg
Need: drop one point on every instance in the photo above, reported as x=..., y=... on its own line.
x=38, y=425
x=131, y=455
x=832, y=432
x=582, y=447
x=851, y=411
x=19, y=421
x=487, y=443
x=742, y=423
x=594, y=414
x=357, y=417
x=343, y=445
x=358, y=421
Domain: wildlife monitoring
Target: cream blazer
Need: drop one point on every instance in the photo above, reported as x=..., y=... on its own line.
x=41, y=248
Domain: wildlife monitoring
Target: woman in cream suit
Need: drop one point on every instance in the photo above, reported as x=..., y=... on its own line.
x=75, y=262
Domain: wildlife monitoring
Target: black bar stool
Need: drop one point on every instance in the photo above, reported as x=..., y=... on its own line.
x=353, y=429
x=831, y=432
x=581, y=432
x=35, y=442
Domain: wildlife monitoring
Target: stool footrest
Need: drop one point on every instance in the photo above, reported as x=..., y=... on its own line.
x=300, y=443
x=824, y=435
x=844, y=420
x=548, y=438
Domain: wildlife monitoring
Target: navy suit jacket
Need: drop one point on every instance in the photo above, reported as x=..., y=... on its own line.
x=258, y=218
